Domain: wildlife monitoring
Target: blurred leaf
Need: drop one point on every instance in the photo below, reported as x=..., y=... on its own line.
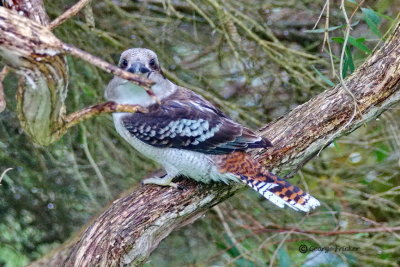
x=359, y=43
x=242, y=262
x=373, y=20
x=348, y=64
x=327, y=259
x=323, y=77
x=283, y=257
x=234, y=253
x=385, y=17
x=330, y=28
x=356, y=42
x=339, y=40
x=337, y=146
x=381, y=152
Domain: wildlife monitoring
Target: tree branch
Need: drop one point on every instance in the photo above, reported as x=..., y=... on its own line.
x=95, y=110
x=39, y=57
x=310, y=127
x=69, y=13
x=131, y=228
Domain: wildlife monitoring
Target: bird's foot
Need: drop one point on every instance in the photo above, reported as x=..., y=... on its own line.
x=163, y=181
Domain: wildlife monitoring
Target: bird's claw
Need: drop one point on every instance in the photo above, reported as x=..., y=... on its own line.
x=163, y=181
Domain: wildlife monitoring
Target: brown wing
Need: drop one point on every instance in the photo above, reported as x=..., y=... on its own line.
x=187, y=121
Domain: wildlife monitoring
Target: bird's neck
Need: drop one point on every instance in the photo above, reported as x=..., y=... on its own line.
x=124, y=92
x=164, y=88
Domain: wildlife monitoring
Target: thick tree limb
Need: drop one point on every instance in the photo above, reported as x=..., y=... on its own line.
x=27, y=46
x=129, y=230
x=310, y=127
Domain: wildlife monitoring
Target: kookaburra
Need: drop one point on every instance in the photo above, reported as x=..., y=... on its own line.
x=189, y=136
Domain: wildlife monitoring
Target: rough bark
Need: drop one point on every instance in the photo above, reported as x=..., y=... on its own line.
x=364, y=95
x=35, y=53
x=133, y=225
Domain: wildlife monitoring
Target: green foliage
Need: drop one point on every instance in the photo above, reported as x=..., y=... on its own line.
x=373, y=20
x=323, y=77
x=330, y=29
x=284, y=258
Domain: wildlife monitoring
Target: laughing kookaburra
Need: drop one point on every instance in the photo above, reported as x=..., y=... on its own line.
x=189, y=136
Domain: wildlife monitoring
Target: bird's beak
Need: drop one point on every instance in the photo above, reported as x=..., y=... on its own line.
x=138, y=68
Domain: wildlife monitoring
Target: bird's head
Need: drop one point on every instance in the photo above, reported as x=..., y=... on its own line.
x=142, y=61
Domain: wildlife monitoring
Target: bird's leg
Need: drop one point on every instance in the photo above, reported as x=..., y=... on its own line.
x=165, y=180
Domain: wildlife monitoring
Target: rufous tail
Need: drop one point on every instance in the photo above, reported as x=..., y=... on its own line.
x=272, y=187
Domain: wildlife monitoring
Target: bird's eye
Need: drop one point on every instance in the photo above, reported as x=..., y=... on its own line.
x=152, y=63
x=124, y=63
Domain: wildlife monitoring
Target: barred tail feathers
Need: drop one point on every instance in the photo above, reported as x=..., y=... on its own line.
x=281, y=192
x=273, y=188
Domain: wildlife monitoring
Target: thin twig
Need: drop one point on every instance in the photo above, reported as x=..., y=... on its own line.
x=243, y=251
x=89, y=16
x=103, y=108
x=82, y=182
x=4, y=173
x=3, y=74
x=98, y=62
x=69, y=13
x=346, y=39
x=94, y=165
x=320, y=14
x=74, y=51
x=287, y=235
x=330, y=233
x=326, y=38
x=341, y=77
